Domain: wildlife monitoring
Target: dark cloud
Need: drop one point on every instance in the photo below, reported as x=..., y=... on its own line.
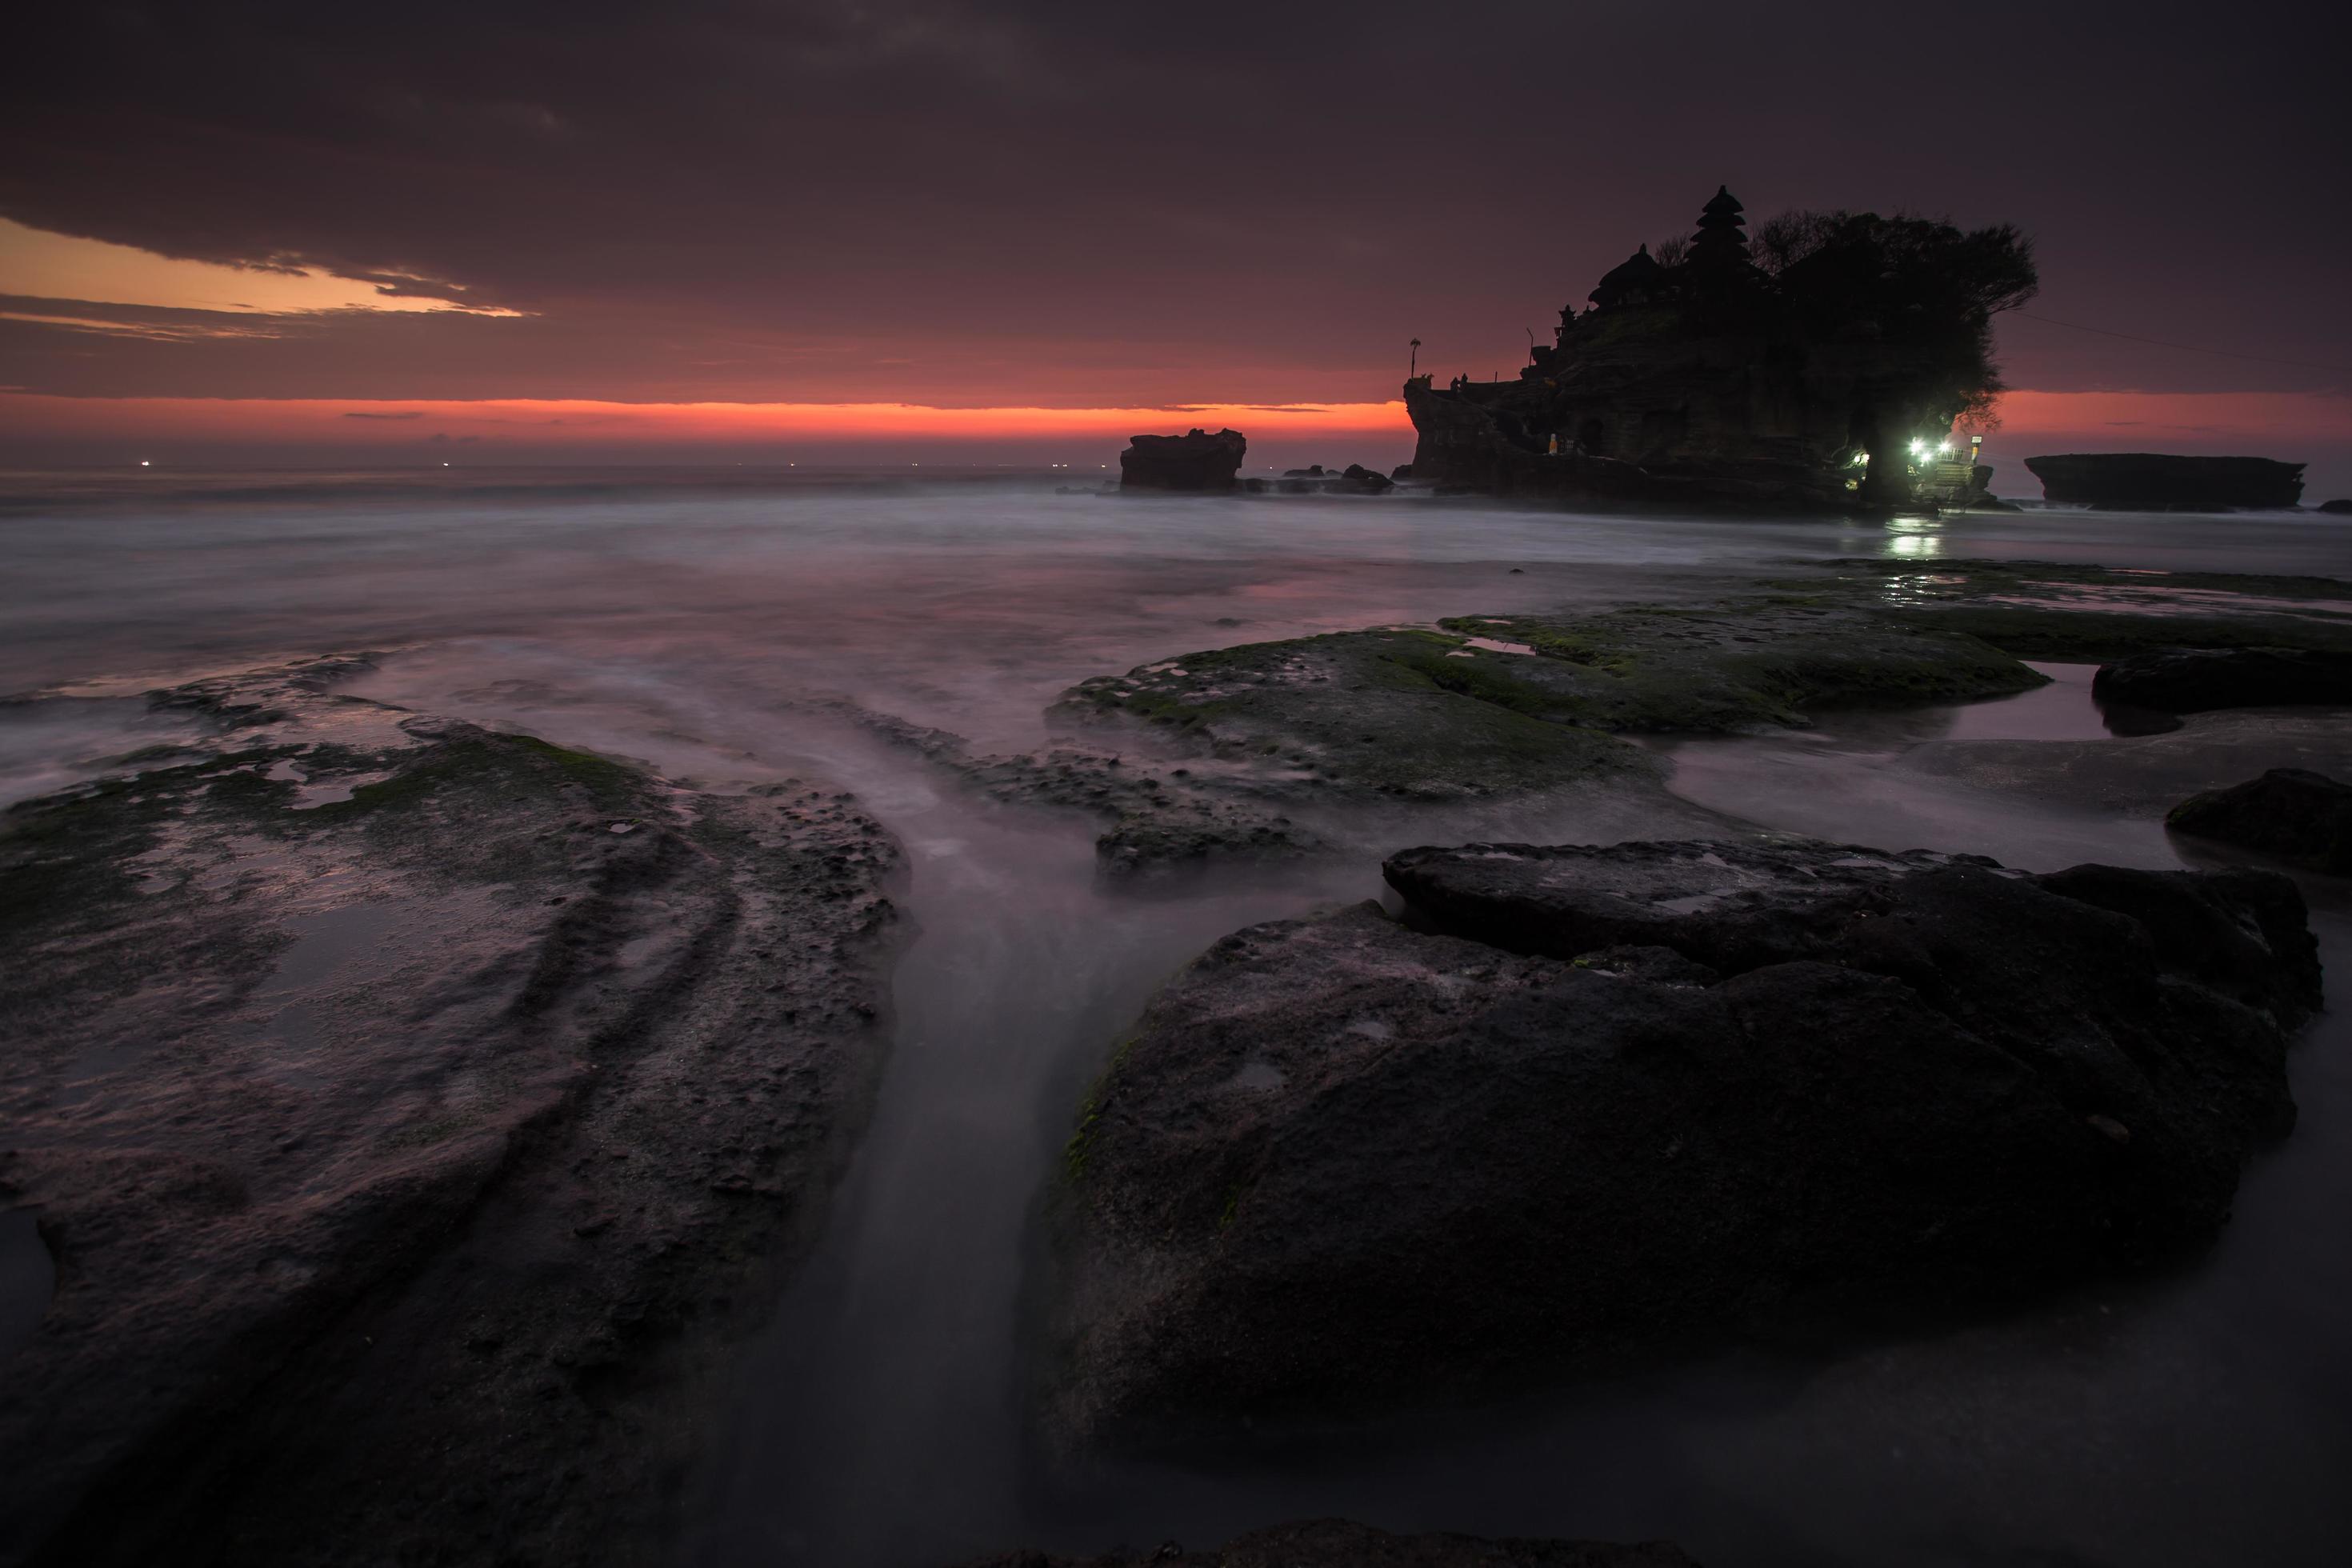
x=1018, y=202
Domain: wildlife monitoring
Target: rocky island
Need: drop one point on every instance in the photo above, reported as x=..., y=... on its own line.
x=1195, y=461
x=2160, y=482
x=1822, y=364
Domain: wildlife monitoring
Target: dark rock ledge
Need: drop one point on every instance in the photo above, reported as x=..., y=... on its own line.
x=1340, y=1543
x=1595, y=1104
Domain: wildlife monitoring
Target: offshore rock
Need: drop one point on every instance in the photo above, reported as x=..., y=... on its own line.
x=2158, y=482
x=1193, y=461
x=1315, y=480
x=2198, y=679
x=405, y=1104
x=2288, y=812
x=1341, y=1543
x=1621, y=1099
x=2340, y=508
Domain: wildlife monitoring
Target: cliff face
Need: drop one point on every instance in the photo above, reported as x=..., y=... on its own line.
x=2149, y=479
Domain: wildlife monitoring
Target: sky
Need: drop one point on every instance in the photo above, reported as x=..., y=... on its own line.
x=765, y=232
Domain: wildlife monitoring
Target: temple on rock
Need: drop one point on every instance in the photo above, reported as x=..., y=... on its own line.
x=1823, y=361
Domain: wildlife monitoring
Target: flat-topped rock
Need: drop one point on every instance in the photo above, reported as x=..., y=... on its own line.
x=2163, y=481
x=1195, y=461
x=1605, y=1102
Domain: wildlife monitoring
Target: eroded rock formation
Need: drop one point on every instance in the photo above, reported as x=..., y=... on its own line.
x=415, y=1114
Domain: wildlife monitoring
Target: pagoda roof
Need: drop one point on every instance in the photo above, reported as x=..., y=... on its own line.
x=1637, y=269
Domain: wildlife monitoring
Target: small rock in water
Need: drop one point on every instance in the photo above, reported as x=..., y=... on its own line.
x=2200, y=679
x=2290, y=813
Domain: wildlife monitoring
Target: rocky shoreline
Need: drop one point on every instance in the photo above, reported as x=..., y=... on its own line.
x=526, y=1071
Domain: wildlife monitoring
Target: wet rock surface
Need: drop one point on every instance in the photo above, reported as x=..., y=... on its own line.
x=1341, y=1543
x=2198, y=679
x=1257, y=751
x=1494, y=704
x=2063, y=610
x=2289, y=813
x=414, y=1113
x=1596, y=1104
x=1157, y=813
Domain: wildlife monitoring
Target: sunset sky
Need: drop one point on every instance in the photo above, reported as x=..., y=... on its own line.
x=903, y=232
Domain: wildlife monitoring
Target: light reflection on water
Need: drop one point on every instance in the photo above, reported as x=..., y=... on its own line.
x=2203, y=1419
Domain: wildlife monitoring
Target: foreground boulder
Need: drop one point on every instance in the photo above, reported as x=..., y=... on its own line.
x=2162, y=481
x=1195, y=461
x=2294, y=814
x=2198, y=679
x=1622, y=1098
x=1338, y=1544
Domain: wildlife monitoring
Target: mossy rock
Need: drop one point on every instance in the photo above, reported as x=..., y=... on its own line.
x=1398, y=712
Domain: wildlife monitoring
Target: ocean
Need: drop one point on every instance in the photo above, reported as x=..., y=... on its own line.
x=701, y=620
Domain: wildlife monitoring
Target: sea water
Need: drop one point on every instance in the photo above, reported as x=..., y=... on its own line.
x=712, y=623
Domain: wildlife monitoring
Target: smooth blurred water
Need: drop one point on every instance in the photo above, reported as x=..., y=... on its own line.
x=687, y=618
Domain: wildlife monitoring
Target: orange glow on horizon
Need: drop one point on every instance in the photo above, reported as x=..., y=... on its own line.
x=2259, y=422
x=568, y=421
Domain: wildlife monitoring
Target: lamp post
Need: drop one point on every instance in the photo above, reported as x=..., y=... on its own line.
x=1412, y=367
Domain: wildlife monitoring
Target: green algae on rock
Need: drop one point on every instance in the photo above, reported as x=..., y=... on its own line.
x=1402, y=711
x=1505, y=702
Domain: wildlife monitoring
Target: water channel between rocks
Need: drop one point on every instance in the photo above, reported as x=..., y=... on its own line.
x=2202, y=1418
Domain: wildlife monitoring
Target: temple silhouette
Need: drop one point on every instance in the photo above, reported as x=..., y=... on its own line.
x=1829, y=372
